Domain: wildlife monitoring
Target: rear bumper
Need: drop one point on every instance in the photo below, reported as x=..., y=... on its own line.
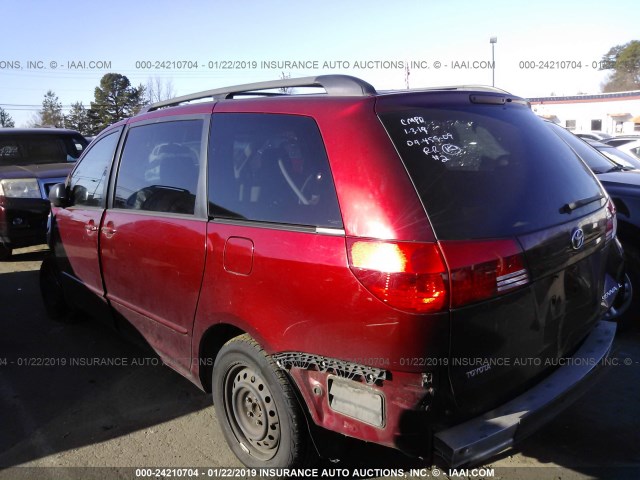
x=500, y=428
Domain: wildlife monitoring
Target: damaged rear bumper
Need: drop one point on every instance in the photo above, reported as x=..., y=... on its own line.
x=500, y=428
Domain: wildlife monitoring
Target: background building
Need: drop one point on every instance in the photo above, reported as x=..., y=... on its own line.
x=613, y=113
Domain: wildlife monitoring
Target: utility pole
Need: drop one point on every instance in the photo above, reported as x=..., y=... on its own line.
x=493, y=41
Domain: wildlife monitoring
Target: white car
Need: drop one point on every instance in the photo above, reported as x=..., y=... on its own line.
x=616, y=155
x=593, y=135
x=632, y=147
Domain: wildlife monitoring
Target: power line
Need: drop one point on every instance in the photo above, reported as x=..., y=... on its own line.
x=29, y=105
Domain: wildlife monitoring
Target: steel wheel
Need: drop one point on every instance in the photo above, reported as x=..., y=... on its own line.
x=257, y=408
x=252, y=412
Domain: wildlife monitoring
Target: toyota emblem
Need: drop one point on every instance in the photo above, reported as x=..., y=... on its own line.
x=577, y=239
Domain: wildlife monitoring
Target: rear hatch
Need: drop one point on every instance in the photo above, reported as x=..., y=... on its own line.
x=524, y=228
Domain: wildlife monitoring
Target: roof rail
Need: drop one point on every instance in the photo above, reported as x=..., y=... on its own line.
x=482, y=88
x=334, y=85
x=478, y=88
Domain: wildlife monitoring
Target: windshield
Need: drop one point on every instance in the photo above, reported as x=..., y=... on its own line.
x=40, y=149
x=488, y=171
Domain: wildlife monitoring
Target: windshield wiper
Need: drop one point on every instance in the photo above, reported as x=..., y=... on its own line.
x=570, y=207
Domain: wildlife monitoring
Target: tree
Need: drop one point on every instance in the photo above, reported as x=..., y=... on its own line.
x=624, y=60
x=78, y=118
x=51, y=113
x=158, y=90
x=5, y=119
x=115, y=99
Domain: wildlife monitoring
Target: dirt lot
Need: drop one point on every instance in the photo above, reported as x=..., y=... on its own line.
x=140, y=414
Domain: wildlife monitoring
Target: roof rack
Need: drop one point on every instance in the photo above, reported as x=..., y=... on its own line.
x=477, y=88
x=334, y=85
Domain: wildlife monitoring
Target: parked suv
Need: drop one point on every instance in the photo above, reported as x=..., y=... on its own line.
x=423, y=270
x=31, y=161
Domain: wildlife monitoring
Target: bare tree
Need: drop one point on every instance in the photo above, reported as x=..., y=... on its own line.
x=158, y=90
x=5, y=119
x=35, y=121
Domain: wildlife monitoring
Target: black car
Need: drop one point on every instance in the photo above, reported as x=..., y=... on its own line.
x=31, y=161
x=622, y=183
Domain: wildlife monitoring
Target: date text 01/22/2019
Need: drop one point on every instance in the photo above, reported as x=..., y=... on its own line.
x=270, y=64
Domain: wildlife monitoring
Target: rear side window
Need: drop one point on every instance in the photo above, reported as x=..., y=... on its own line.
x=487, y=171
x=159, y=167
x=270, y=168
x=88, y=179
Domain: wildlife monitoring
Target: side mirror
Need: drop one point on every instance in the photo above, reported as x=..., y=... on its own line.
x=58, y=195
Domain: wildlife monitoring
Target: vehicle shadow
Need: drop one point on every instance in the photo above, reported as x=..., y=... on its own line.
x=68, y=386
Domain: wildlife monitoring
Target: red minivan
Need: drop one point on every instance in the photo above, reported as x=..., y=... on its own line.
x=426, y=270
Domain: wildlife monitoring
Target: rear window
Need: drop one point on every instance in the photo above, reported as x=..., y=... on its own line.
x=40, y=149
x=487, y=171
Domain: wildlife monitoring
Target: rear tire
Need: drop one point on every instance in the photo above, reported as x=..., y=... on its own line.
x=257, y=407
x=52, y=293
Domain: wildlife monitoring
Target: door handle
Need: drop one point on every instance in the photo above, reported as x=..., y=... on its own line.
x=90, y=227
x=109, y=230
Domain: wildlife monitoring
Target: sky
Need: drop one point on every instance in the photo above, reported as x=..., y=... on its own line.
x=543, y=48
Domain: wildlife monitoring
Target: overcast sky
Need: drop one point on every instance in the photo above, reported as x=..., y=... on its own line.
x=51, y=44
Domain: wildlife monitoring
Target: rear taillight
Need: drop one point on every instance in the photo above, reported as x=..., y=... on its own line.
x=480, y=270
x=431, y=277
x=407, y=276
x=612, y=221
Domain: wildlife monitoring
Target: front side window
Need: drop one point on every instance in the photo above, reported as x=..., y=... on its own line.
x=159, y=167
x=87, y=185
x=270, y=168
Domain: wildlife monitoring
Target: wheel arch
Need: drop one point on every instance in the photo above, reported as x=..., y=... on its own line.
x=211, y=342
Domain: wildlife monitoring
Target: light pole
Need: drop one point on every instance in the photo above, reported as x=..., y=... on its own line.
x=493, y=41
